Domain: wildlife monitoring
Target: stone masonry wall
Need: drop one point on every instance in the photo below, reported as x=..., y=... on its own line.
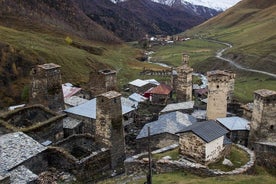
x=263, y=124
x=46, y=86
x=157, y=141
x=109, y=126
x=217, y=97
x=136, y=165
x=192, y=147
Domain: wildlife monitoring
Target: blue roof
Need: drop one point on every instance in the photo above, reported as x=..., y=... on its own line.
x=88, y=109
x=167, y=123
x=206, y=130
x=234, y=123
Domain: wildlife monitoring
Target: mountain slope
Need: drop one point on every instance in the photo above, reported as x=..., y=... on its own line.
x=57, y=16
x=132, y=19
x=250, y=27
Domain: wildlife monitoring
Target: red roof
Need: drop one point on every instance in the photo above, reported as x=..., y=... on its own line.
x=161, y=89
x=69, y=91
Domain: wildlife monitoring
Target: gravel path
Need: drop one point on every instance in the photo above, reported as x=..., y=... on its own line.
x=219, y=56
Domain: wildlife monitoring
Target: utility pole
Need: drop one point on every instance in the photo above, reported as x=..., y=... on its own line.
x=149, y=177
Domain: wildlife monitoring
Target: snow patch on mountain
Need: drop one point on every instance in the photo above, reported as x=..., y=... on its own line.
x=219, y=5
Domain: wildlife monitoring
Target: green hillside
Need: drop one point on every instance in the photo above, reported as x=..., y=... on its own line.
x=250, y=27
x=20, y=50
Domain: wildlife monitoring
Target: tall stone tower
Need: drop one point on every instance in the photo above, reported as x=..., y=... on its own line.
x=231, y=88
x=218, y=89
x=109, y=126
x=182, y=81
x=46, y=86
x=102, y=81
x=264, y=116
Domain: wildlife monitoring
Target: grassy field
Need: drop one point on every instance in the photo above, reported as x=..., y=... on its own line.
x=76, y=64
x=202, y=60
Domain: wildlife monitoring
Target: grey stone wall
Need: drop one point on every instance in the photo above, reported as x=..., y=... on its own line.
x=46, y=86
x=263, y=124
x=157, y=141
x=109, y=126
x=40, y=123
x=136, y=165
x=102, y=81
x=192, y=147
x=266, y=155
x=218, y=89
x=89, y=124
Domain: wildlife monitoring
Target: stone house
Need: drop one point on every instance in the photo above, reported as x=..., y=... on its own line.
x=140, y=86
x=38, y=122
x=202, y=142
x=21, y=158
x=163, y=131
x=160, y=94
x=86, y=112
x=238, y=129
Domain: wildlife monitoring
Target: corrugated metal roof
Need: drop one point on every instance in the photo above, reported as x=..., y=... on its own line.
x=152, y=81
x=161, y=89
x=234, y=123
x=170, y=123
x=206, y=130
x=178, y=106
x=88, y=109
x=137, y=97
x=69, y=91
x=138, y=83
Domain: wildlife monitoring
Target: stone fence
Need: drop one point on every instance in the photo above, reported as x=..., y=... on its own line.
x=136, y=165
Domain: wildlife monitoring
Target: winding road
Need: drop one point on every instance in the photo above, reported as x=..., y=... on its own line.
x=219, y=56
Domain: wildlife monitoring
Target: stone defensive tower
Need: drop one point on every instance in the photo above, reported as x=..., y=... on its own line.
x=218, y=89
x=109, y=126
x=102, y=81
x=231, y=88
x=46, y=86
x=182, y=80
x=264, y=116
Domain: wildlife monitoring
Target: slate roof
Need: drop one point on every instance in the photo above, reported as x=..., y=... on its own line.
x=234, y=123
x=88, y=109
x=178, y=106
x=137, y=97
x=206, y=130
x=167, y=123
x=161, y=89
x=74, y=101
x=15, y=148
x=70, y=123
x=138, y=83
x=265, y=92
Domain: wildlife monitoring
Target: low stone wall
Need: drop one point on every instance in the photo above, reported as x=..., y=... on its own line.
x=134, y=165
x=266, y=155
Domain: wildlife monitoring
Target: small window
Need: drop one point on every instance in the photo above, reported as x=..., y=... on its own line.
x=217, y=86
x=115, y=100
x=102, y=100
x=271, y=127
